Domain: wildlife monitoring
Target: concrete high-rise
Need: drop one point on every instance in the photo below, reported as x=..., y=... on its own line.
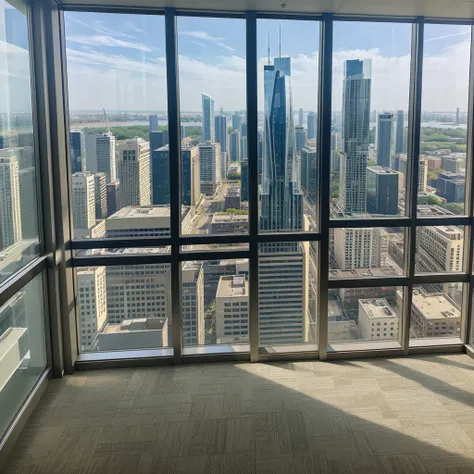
x=300, y=117
x=210, y=170
x=10, y=210
x=384, y=139
x=234, y=138
x=355, y=135
x=192, y=297
x=244, y=180
x=77, y=142
x=134, y=172
x=400, y=132
x=100, y=154
x=100, y=190
x=382, y=190
x=220, y=126
x=83, y=203
x=208, y=134
x=92, y=304
x=311, y=125
x=243, y=148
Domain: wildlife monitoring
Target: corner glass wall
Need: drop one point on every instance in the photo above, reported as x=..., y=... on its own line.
x=297, y=206
x=23, y=333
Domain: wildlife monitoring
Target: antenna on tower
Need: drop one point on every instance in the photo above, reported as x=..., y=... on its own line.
x=269, y=47
x=106, y=121
x=279, y=44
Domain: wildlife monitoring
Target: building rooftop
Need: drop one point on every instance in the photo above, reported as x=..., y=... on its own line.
x=382, y=170
x=364, y=272
x=232, y=286
x=229, y=218
x=232, y=191
x=377, y=308
x=426, y=210
x=137, y=212
x=435, y=305
x=138, y=324
x=132, y=251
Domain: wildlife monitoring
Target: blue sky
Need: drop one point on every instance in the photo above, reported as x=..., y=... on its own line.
x=118, y=61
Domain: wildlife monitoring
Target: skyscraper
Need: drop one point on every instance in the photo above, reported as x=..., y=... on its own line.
x=190, y=176
x=282, y=266
x=243, y=148
x=208, y=134
x=311, y=121
x=153, y=119
x=382, y=190
x=234, y=145
x=309, y=173
x=10, y=215
x=244, y=180
x=300, y=117
x=236, y=121
x=355, y=135
x=384, y=139
x=100, y=154
x=192, y=284
x=113, y=197
x=83, y=203
x=400, y=132
x=77, y=151
x=220, y=124
x=300, y=135
x=158, y=139
x=209, y=162
x=134, y=172
x=100, y=190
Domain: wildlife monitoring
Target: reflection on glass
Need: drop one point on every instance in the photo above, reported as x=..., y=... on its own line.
x=364, y=314
x=436, y=310
x=119, y=122
x=215, y=302
x=439, y=249
x=124, y=307
x=287, y=161
x=443, y=138
x=368, y=133
x=287, y=293
x=365, y=252
x=22, y=348
x=214, y=176
x=18, y=192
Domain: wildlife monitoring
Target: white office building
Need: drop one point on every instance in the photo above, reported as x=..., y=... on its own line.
x=377, y=320
x=100, y=154
x=192, y=297
x=10, y=211
x=134, y=172
x=92, y=304
x=210, y=169
x=83, y=203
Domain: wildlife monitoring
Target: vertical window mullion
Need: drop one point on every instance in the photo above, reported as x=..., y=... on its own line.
x=324, y=154
x=252, y=147
x=175, y=173
x=413, y=155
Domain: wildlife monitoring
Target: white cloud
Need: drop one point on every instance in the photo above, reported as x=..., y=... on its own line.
x=202, y=35
x=99, y=27
x=109, y=41
x=202, y=45
x=463, y=33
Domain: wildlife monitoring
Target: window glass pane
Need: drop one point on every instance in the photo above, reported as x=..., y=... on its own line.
x=119, y=128
x=446, y=52
x=214, y=176
x=288, y=88
x=369, y=124
x=22, y=348
x=19, y=241
x=287, y=293
x=369, y=315
x=439, y=249
x=215, y=303
x=436, y=311
x=124, y=307
x=366, y=252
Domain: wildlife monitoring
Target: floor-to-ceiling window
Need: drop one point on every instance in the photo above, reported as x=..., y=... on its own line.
x=23, y=352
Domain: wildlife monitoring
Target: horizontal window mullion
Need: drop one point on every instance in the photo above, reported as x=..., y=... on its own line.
x=359, y=223
x=368, y=282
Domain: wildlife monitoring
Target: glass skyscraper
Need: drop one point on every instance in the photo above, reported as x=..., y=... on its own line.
x=208, y=134
x=384, y=139
x=355, y=135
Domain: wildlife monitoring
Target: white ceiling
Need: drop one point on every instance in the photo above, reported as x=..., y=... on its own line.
x=410, y=8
